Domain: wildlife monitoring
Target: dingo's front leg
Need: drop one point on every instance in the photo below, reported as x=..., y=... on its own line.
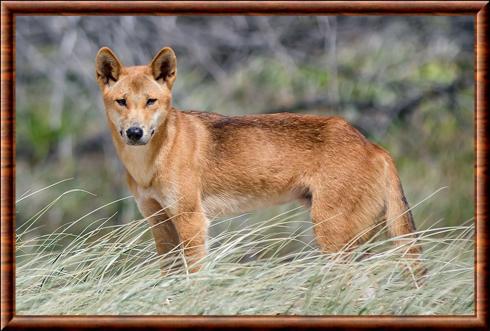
x=162, y=227
x=192, y=229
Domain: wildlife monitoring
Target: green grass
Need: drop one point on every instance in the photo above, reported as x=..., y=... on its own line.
x=249, y=271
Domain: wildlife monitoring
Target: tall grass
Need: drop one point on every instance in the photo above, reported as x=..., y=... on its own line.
x=114, y=270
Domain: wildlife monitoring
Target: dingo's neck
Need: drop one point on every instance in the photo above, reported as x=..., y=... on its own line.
x=138, y=161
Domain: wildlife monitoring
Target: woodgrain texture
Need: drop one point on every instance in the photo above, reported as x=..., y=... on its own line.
x=245, y=7
x=10, y=321
x=7, y=172
x=481, y=172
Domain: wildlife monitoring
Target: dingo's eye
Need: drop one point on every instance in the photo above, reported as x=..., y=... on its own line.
x=121, y=102
x=150, y=102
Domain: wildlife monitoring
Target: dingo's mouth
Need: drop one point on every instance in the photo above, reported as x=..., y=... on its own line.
x=136, y=143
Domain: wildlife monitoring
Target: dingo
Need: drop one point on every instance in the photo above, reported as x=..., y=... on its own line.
x=183, y=167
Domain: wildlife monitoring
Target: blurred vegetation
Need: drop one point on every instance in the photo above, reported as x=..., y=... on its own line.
x=405, y=82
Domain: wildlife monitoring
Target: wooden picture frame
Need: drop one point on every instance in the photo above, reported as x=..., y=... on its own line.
x=11, y=9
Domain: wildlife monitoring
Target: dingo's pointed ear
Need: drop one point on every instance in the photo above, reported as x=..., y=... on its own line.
x=107, y=67
x=164, y=67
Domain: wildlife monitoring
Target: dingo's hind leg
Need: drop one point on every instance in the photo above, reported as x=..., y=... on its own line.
x=338, y=223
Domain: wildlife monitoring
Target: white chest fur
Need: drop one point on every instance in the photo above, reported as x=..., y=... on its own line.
x=137, y=162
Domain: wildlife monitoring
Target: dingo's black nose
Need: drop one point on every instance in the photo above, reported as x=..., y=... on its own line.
x=134, y=133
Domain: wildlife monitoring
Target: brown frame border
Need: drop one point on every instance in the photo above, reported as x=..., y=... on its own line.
x=10, y=9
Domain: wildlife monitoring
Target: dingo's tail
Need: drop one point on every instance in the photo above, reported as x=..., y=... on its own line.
x=399, y=219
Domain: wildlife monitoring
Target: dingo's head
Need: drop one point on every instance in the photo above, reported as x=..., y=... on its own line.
x=137, y=99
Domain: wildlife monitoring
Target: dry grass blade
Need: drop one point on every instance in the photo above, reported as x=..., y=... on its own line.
x=114, y=270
